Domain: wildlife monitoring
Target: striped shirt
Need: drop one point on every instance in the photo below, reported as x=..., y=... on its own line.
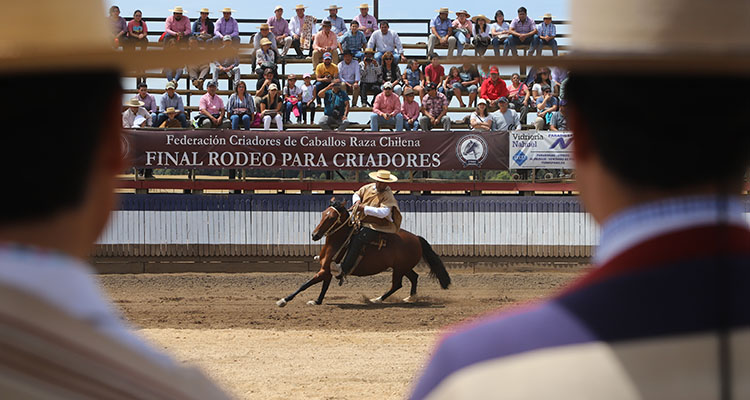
x=546, y=30
x=337, y=24
x=366, y=22
x=370, y=73
x=523, y=27
x=353, y=42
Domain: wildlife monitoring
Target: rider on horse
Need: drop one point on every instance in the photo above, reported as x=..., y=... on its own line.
x=376, y=203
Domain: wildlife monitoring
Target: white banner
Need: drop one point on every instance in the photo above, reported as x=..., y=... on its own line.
x=541, y=149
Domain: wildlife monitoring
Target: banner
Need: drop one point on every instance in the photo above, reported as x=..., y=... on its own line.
x=317, y=150
x=541, y=149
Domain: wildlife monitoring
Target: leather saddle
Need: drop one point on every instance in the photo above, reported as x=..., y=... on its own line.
x=380, y=241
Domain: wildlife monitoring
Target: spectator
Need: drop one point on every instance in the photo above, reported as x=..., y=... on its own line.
x=450, y=81
x=119, y=27
x=353, y=41
x=302, y=28
x=480, y=119
x=493, y=89
x=462, y=29
x=545, y=36
x=541, y=81
x=545, y=106
x=505, y=119
x=227, y=26
x=148, y=100
x=308, y=99
x=559, y=119
x=135, y=116
x=203, y=28
x=434, y=110
x=241, y=107
x=171, y=121
x=500, y=31
x=212, y=109
x=137, y=32
x=469, y=84
x=482, y=38
x=325, y=72
x=338, y=26
x=172, y=75
x=170, y=99
x=270, y=108
x=441, y=32
x=262, y=85
x=264, y=32
x=336, y=111
x=391, y=73
x=280, y=29
x=414, y=78
x=367, y=23
x=350, y=76
x=522, y=30
x=325, y=42
x=519, y=96
x=265, y=57
x=229, y=66
x=557, y=77
x=384, y=40
x=177, y=27
x=434, y=73
x=197, y=72
x=292, y=99
x=371, y=75
x=410, y=110
x=386, y=110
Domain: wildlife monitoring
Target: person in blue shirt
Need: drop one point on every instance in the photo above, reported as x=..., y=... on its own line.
x=441, y=32
x=353, y=41
x=545, y=35
x=336, y=110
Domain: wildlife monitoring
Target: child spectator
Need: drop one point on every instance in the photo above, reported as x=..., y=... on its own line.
x=414, y=78
x=171, y=121
x=545, y=36
x=292, y=98
x=308, y=99
x=148, y=100
x=434, y=73
x=410, y=110
x=469, y=84
x=452, y=79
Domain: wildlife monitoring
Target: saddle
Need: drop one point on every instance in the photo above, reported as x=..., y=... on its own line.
x=379, y=242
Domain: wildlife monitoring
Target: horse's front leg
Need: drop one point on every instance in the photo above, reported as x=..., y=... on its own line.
x=325, y=270
x=326, y=282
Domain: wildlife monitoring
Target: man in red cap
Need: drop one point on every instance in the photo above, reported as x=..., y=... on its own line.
x=493, y=89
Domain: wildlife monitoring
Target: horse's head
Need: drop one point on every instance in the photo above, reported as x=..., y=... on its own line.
x=332, y=217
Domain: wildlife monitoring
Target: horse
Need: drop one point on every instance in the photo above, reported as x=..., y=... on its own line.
x=401, y=253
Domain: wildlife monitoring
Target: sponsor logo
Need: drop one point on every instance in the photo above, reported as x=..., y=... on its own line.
x=472, y=150
x=562, y=143
x=520, y=157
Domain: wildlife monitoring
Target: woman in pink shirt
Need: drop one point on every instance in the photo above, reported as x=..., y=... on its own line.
x=462, y=28
x=137, y=32
x=519, y=95
x=410, y=111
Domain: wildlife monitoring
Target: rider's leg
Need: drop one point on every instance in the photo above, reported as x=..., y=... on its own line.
x=355, y=249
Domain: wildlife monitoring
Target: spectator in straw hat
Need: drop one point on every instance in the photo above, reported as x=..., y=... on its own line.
x=303, y=29
x=264, y=32
x=385, y=40
x=170, y=99
x=367, y=23
x=203, y=28
x=499, y=31
x=482, y=37
x=265, y=57
x=441, y=32
x=280, y=29
x=230, y=67
x=325, y=42
x=135, y=116
x=462, y=30
x=227, y=26
x=338, y=26
x=177, y=27
x=119, y=27
x=197, y=72
x=171, y=121
x=353, y=41
x=522, y=30
x=545, y=36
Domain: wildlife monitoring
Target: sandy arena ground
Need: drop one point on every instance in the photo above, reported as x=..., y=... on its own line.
x=229, y=325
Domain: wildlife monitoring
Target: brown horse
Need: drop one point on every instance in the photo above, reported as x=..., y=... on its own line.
x=401, y=253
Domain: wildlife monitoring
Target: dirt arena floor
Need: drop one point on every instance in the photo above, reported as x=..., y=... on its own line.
x=229, y=325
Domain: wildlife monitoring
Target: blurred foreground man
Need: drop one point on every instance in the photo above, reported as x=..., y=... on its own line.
x=664, y=314
x=60, y=338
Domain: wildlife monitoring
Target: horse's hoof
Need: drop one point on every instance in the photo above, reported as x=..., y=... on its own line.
x=410, y=299
x=281, y=303
x=312, y=303
x=376, y=300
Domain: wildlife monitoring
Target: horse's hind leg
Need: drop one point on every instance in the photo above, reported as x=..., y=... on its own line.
x=317, y=278
x=395, y=285
x=412, y=276
x=323, y=290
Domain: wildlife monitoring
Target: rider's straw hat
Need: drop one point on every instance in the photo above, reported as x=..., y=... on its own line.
x=383, y=176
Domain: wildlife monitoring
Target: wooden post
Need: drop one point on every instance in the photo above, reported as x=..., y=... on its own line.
x=375, y=9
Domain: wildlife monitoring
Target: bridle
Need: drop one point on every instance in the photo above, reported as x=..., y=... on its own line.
x=330, y=230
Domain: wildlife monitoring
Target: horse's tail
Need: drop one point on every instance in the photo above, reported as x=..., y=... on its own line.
x=437, y=269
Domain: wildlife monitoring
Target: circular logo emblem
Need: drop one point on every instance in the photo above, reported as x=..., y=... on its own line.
x=125, y=145
x=472, y=150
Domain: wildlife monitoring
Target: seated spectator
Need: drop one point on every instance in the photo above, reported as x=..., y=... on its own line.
x=270, y=108
x=559, y=119
x=308, y=99
x=522, y=30
x=493, y=89
x=172, y=75
x=119, y=27
x=371, y=75
x=441, y=32
x=135, y=116
x=241, y=107
x=410, y=110
x=449, y=82
x=545, y=36
x=434, y=73
x=338, y=26
x=414, y=78
x=326, y=42
x=197, y=72
x=505, y=119
x=177, y=27
x=480, y=119
x=170, y=99
x=541, y=80
x=462, y=30
x=545, y=106
x=557, y=77
x=203, y=28
x=264, y=32
x=391, y=73
x=353, y=41
x=336, y=111
x=262, y=85
x=499, y=31
x=280, y=29
x=325, y=72
x=292, y=100
x=350, y=76
x=227, y=26
x=367, y=23
x=469, y=84
x=519, y=96
x=229, y=66
x=386, y=41
x=137, y=35
x=265, y=57
x=303, y=29
x=171, y=121
x=387, y=110
x=212, y=109
x=148, y=100
x=434, y=110
x=482, y=37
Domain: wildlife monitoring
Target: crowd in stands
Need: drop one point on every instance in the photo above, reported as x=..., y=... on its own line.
x=351, y=63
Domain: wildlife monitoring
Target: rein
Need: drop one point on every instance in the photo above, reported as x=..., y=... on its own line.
x=330, y=230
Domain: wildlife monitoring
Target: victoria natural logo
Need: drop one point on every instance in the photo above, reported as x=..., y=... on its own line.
x=472, y=150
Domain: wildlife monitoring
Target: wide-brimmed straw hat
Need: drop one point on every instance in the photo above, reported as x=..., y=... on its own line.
x=545, y=16
x=178, y=10
x=364, y=5
x=170, y=110
x=265, y=41
x=332, y=7
x=459, y=12
x=480, y=16
x=134, y=103
x=383, y=176
x=443, y=10
x=300, y=7
x=277, y=8
x=227, y=9
x=264, y=26
x=204, y=10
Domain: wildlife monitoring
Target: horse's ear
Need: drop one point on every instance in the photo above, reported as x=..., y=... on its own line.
x=343, y=203
x=333, y=200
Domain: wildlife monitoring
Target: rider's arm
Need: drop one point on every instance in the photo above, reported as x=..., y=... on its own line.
x=355, y=198
x=379, y=212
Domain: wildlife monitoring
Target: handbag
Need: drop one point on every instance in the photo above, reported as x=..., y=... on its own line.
x=481, y=41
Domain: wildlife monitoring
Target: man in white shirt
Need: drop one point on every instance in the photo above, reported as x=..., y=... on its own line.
x=505, y=119
x=303, y=30
x=135, y=116
x=386, y=40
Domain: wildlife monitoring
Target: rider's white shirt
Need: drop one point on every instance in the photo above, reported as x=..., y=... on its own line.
x=379, y=212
